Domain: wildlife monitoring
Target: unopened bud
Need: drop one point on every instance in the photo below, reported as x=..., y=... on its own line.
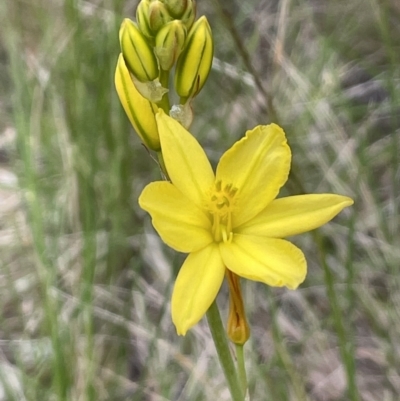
x=138, y=54
x=140, y=111
x=189, y=15
x=142, y=18
x=176, y=7
x=170, y=41
x=158, y=16
x=237, y=328
x=195, y=61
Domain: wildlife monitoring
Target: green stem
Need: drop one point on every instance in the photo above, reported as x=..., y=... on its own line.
x=164, y=81
x=241, y=367
x=346, y=346
x=223, y=351
x=284, y=358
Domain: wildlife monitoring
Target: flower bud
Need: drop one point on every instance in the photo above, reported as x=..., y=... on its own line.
x=189, y=15
x=195, y=61
x=237, y=328
x=170, y=41
x=158, y=16
x=142, y=18
x=139, y=110
x=176, y=7
x=138, y=54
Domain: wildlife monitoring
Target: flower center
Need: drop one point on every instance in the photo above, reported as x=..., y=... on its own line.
x=221, y=206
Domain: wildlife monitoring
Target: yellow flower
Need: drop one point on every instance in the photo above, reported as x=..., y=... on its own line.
x=230, y=219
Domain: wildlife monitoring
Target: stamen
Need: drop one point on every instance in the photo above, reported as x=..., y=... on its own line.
x=221, y=208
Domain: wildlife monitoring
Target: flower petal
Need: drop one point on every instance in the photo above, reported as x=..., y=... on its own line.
x=275, y=262
x=187, y=164
x=295, y=215
x=196, y=287
x=180, y=223
x=258, y=165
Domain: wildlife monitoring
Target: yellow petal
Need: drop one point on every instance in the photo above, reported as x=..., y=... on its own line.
x=196, y=287
x=180, y=223
x=258, y=165
x=275, y=262
x=185, y=160
x=295, y=215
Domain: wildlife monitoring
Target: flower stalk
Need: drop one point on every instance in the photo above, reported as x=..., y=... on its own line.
x=229, y=221
x=224, y=353
x=241, y=367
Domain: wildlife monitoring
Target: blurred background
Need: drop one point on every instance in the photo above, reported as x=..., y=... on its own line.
x=85, y=282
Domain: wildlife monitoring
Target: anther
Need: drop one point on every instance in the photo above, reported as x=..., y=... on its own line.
x=228, y=188
x=232, y=192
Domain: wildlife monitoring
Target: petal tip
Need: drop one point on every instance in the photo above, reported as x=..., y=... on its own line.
x=295, y=284
x=343, y=202
x=348, y=201
x=180, y=331
x=181, y=327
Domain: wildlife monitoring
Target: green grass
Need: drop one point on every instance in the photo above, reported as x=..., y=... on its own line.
x=85, y=281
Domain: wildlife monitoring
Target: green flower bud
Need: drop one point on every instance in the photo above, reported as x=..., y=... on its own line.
x=142, y=18
x=195, y=61
x=176, y=7
x=138, y=54
x=158, y=16
x=170, y=41
x=189, y=14
x=139, y=110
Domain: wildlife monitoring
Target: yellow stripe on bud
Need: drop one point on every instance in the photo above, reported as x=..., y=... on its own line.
x=170, y=41
x=195, y=61
x=139, y=110
x=138, y=54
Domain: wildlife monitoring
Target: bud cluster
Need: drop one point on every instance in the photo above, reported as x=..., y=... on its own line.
x=164, y=36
